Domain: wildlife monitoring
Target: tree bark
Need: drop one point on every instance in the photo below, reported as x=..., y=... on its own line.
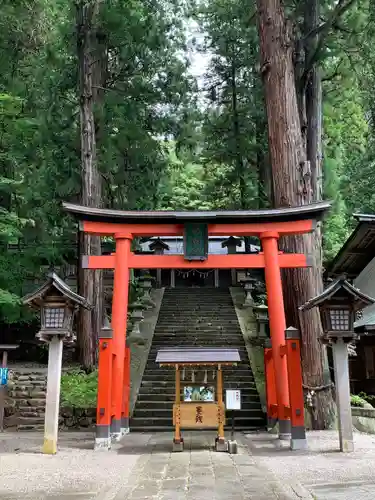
x=292, y=187
x=89, y=281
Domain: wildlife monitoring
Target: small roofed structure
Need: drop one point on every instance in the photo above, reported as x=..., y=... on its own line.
x=192, y=413
x=57, y=303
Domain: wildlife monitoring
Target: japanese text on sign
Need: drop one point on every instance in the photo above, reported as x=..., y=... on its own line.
x=233, y=399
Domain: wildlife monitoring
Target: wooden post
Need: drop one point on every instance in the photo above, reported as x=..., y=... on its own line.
x=297, y=407
x=119, y=320
x=221, y=445
x=277, y=328
x=178, y=442
x=341, y=366
x=51, y=423
x=271, y=399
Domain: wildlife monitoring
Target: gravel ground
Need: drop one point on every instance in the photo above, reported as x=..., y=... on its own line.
x=76, y=471
x=322, y=470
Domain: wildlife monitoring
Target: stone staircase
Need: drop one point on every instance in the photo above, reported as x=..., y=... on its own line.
x=28, y=392
x=201, y=317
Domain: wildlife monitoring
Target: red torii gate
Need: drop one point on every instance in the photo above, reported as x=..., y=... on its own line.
x=123, y=226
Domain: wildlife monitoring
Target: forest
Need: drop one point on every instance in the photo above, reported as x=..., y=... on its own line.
x=172, y=104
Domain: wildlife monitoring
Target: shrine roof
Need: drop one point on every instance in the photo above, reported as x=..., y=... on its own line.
x=313, y=211
x=197, y=355
x=357, y=251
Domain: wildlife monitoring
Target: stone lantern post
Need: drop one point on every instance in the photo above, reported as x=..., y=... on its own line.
x=231, y=244
x=338, y=305
x=57, y=304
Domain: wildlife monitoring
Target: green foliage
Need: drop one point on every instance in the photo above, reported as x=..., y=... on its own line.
x=79, y=389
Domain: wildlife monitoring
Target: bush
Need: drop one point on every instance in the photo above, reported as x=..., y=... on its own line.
x=356, y=400
x=79, y=389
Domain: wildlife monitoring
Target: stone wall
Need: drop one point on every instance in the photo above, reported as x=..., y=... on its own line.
x=139, y=353
x=77, y=418
x=364, y=419
x=254, y=345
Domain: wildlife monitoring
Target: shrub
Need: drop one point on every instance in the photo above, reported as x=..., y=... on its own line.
x=79, y=389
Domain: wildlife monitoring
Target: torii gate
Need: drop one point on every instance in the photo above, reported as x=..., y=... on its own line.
x=123, y=226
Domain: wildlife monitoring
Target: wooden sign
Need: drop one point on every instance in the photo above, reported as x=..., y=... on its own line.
x=198, y=415
x=195, y=241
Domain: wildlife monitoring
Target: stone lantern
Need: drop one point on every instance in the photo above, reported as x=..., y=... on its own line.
x=57, y=304
x=145, y=282
x=249, y=283
x=338, y=305
x=135, y=336
x=261, y=314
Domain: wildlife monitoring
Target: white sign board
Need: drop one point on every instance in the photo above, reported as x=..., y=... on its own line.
x=232, y=399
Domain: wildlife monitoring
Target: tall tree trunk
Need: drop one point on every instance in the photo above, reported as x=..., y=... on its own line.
x=240, y=167
x=89, y=281
x=292, y=187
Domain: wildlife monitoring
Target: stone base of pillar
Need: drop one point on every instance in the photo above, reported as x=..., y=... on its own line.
x=284, y=430
x=232, y=447
x=124, y=426
x=221, y=445
x=49, y=446
x=347, y=446
x=298, y=439
x=178, y=445
x=116, y=429
x=271, y=424
x=102, y=438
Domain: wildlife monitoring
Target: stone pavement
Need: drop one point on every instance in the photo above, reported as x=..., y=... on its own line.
x=142, y=466
x=199, y=472
x=321, y=472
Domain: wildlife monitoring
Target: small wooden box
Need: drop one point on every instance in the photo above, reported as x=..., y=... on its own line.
x=198, y=415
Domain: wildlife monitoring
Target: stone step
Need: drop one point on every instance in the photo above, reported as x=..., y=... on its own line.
x=30, y=427
x=147, y=405
x=170, y=376
x=163, y=392
x=148, y=413
x=34, y=409
x=169, y=428
x=27, y=394
x=30, y=420
x=165, y=422
x=168, y=398
x=32, y=414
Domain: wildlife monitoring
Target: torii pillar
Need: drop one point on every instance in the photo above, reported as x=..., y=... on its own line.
x=277, y=322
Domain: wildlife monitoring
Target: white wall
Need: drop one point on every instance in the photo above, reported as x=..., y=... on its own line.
x=365, y=282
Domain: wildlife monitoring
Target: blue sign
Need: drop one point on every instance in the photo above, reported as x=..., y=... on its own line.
x=3, y=376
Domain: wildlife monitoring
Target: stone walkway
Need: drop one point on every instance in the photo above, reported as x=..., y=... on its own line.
x=199, y=472
x=141, y=467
